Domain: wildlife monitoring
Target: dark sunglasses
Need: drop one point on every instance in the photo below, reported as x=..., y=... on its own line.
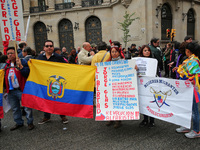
x=48, y=46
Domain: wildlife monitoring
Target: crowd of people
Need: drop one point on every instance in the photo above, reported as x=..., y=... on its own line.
x=170, y=59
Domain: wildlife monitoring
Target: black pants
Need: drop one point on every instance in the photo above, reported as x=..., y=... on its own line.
x=146, y=119
x=48, y=115
x=166, y=68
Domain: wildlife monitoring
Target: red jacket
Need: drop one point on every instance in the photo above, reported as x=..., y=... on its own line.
x=21, y=79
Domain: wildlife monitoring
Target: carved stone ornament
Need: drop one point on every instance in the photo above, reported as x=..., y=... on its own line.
x=126, y=3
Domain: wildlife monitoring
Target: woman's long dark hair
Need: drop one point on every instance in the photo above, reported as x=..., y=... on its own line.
x=193, y=48
x=141, y=51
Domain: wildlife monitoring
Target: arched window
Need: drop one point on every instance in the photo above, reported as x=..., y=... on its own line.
x=191, y=23
x=40, y=35
x=66, y=37
x=93, y=30
x=166, y=20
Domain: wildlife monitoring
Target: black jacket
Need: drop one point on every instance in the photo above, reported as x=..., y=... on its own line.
x=54, y=57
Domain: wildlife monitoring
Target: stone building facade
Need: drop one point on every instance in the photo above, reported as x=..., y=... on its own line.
x=69, y=23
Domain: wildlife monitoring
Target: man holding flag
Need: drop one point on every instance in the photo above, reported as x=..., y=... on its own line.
x=16, y=72
x=50, y=55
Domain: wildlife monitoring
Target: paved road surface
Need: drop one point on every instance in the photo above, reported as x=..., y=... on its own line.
x=87, y=134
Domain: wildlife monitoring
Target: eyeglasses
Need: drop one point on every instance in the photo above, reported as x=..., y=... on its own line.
x=48, y=46
x=10, y=53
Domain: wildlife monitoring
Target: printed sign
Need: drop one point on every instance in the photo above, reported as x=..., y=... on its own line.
x=12, y=25
x=146, y=66
x=116, y=91
x=166, y=99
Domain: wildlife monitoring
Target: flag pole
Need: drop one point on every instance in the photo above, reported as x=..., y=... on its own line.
x=16, y=49
x=27, y=26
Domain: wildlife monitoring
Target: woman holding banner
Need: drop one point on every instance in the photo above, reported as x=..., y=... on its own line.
x=115, y=55
x=190, y=69
x=146, y=52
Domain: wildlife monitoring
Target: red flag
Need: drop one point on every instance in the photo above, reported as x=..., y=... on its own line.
x=1, y=105
x=5, y=46
x=110, y=41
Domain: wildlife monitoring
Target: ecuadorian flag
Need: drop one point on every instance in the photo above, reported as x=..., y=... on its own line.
x=1, y=92
x=59, y=88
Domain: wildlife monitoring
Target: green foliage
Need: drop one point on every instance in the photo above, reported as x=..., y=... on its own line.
x=124, y=26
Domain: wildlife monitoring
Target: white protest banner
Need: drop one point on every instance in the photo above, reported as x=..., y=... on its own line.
x=116, y=91
x=12, y=24
x=146, y=66
x=166, y=99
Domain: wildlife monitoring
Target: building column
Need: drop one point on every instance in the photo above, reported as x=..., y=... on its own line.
x=78, y=3
x=26, y=5
x=51, y=5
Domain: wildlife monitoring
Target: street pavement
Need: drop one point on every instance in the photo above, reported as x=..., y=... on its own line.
x=88, y=134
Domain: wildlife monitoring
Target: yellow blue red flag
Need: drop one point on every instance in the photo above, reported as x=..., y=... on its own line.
x=58, y=88
x=1, y=92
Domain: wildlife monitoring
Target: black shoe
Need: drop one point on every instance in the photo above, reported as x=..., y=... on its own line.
x=117, y=124
x=166, y=76
x=151, y=125
x=108, y=123
x=44, y=120
x=64, y=120
x=31, y=127
x=143, y=123
x=16, y=127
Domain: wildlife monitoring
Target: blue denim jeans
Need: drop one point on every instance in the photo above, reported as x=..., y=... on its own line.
x=14, y=98
x=195, y=115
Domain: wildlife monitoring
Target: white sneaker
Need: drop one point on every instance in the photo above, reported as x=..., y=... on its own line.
x=182, y=130
x=192, y=134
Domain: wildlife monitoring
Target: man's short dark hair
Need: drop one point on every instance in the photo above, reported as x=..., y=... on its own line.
x=154, y=40
x=3, y=58
x=9, y=48
x=187, y=38
x=116, y=43
x=48, y=41
x=177, y=45
x=191, y=48
x=21, y=45
x=108, y=47
x=56, y=49
x=102, y=45
x=133, y=45
x=28, y=50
